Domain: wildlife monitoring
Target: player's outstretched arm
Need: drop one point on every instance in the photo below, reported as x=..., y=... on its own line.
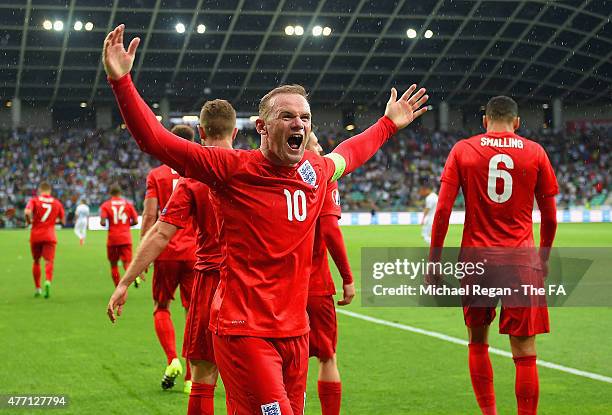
x=332, y=235
x=548, y=224
x=446, y=200
x=150, y=248
x=399, y=113
x=149, y=133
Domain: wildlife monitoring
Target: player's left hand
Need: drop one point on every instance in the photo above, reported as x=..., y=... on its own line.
x=116, y=302
x=407, y=108
x=349, y=294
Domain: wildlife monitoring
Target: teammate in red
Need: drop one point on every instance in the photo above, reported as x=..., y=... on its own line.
x=173, y=267
x=323, y=334
x=120, y=215
x=191, y=200
x=271, y=199
x=500, y=173
x=43, y=212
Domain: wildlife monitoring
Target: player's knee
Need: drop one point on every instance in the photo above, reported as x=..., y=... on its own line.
x=161, y=306
x=523, y=346
x=328, y=361
x=203, y=371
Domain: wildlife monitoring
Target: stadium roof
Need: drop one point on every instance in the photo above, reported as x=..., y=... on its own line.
x=532, y=50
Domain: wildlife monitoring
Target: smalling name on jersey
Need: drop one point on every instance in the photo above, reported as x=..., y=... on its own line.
x=506, y=142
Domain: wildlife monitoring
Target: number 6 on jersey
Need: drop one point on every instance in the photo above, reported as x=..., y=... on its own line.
x=495, y=173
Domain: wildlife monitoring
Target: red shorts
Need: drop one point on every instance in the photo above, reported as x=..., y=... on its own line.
x=262, y=375
x=43, y=249
x=517, y=318
x=119, y=252
x=515, y=321
x=167, y=275
x=197, y=342
x=323, y=335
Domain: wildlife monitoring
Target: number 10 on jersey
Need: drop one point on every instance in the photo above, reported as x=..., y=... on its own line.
x=296, y=205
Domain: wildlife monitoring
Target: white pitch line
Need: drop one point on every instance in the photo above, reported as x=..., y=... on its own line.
x=462, y=342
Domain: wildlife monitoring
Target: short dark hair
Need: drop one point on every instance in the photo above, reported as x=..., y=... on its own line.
x=183, y=131
x=264, y=104
x=218, y=118
x=425, y=182
x=44, y=187
x=115, y=190
x=501, y=108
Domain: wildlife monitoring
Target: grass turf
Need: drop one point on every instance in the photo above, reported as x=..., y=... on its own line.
x=66, y=345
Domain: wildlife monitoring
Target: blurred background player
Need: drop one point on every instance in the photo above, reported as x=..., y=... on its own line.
x=431, y=200
x=323, y=335
x=121, y=215
x=81, y=215
x=500, y=173
x=42, y=212
x=191, y=200
x=173, y=267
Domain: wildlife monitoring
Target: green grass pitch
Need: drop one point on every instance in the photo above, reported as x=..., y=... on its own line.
x=66, y=345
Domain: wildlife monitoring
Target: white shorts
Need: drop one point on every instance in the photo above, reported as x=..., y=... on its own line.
x=80, y=228
x=426, y=232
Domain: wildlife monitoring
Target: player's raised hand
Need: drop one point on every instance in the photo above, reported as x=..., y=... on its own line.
x=116, y=302
x=118, y=61
x=349, y=294
x=407, y=108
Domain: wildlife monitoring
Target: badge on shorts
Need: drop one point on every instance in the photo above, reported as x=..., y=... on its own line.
x=308, y=173
x=271, y=409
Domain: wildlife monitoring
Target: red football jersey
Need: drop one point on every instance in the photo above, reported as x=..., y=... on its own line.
x=500, y=174
x=191, y=202
x=321, y=281
x=45, y=211
x=119, y=213
x=267, y=218
x=161, y=182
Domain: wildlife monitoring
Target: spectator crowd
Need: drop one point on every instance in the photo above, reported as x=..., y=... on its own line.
x=82, y=164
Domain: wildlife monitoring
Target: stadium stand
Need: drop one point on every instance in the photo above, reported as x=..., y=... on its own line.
x=85, y=162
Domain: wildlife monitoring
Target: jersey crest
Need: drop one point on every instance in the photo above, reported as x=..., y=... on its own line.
x=307, y=173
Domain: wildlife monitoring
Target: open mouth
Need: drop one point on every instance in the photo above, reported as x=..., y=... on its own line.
x=295, y=141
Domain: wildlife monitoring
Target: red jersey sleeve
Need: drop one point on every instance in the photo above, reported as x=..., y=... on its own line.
x=30, y=204
x=210, y=165
x=62, y=213
x=547, y=181
x=331, y=205
x=177, y=211
x=133, y=214
x=104, y=211
x=360, y=148
x=451, y=174
x=151, y=187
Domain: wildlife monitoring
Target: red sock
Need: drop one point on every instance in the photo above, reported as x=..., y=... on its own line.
x=36, y=273
x=115, y=274
x=201, y=399
x=188, y=370
x=527, y=387
x=481, y=373
x=330, y=395
x=165, y=332
x=49, y=270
